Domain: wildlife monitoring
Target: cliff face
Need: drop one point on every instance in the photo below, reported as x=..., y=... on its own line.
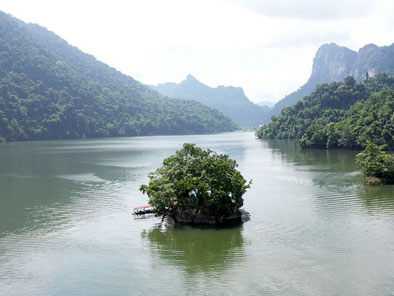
x=372, y=59
x=199, y=217
x=334, y=63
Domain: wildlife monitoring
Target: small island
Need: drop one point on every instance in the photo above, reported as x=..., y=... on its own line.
x=197, y=186
x=378, y=165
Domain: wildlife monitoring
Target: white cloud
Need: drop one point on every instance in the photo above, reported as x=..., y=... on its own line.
x=264, y=46
x=310, y=9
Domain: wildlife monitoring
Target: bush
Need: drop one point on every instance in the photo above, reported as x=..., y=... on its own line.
x=196, y=180
x=377, y=163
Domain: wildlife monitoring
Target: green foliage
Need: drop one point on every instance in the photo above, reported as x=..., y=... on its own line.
x=51, y=90
x=334, y=63
x=196, y=179
x=339, y=115
x=377, y=163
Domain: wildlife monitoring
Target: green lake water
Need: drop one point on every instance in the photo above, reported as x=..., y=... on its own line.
x=66, y=226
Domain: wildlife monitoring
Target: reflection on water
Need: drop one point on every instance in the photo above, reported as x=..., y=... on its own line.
x=335, y=172
x=197, y=249
x=320, y=159
x=379, y=197
x=66, y=226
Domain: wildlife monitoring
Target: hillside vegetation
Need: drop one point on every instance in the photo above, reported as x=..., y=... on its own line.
x=334, y=63
x=340, y=115
x=51, y=90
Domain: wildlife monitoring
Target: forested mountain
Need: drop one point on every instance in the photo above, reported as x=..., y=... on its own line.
x=229, y=100
x=340, y=115
x=51, y=90
x=334, y=63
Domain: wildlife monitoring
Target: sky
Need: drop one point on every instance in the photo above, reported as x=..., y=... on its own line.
x=264, y=46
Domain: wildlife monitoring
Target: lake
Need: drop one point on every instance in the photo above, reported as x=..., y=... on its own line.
x=66, y=224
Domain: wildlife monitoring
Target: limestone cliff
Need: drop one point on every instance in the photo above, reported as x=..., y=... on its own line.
x=334, y=63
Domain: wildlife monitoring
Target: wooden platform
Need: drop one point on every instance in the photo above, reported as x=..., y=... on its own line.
x=142, y=210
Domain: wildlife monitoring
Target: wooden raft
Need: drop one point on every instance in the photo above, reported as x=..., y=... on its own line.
x=142, y=210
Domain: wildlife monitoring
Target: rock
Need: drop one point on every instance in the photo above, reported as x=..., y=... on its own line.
x=196, y=217
x=334, y=63
x=373, y=181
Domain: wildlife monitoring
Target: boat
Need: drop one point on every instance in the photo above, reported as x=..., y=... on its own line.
x=142, y=210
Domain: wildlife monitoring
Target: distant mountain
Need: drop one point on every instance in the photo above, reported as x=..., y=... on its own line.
x=229, y=100
x=268, y=104
x=51, y=90
x=334, y=63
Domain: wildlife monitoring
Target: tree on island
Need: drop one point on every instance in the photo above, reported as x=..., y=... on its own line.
x=378, y=165
x=197, y=186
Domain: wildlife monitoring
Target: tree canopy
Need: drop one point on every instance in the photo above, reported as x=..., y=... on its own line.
x=340, y=115
x=51, y=90
x=377, y=163
x=198, y=181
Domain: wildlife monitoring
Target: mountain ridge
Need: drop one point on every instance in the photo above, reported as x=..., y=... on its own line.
x=52, y=90
x=333, y=63
x=229, y=100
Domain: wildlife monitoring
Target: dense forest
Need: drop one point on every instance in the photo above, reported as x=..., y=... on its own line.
x=51, y=90
x=333, y=63
x=340, y=115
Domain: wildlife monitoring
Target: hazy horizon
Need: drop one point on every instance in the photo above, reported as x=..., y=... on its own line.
x=266, y=47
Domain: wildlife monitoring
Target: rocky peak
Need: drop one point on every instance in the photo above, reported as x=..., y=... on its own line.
x=332, y=63
x=368, y=49
x=191, y=78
